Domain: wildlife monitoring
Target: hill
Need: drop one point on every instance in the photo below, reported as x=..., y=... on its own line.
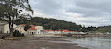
x=50, y=23
x=104, y=29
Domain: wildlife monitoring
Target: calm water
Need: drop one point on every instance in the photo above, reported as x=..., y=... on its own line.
x=94, y=42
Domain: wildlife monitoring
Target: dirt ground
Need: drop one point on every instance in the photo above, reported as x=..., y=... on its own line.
x=36, y=43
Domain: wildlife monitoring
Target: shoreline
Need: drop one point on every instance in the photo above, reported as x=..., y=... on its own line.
x=38, y=43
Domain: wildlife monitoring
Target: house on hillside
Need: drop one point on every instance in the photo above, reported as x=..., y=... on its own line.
x=4, y=27
x=34, y=30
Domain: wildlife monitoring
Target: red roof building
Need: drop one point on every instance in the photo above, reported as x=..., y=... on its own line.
x=33, y=30
x=24, y=25
x=32, y=27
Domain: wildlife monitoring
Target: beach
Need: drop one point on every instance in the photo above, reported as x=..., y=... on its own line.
x=38, y=43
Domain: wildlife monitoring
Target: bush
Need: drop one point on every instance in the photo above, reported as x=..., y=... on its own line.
x=27, y=27
x=16, y=33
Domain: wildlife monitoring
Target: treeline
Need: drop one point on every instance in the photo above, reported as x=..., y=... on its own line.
x=50, y=23
x=101, y=29
x=88, y=29
x=104, y=29
x=54, y=24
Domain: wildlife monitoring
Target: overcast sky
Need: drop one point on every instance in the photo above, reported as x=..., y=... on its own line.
x=84, y=12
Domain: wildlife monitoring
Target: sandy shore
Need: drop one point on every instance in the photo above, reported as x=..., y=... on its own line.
x=37, y=43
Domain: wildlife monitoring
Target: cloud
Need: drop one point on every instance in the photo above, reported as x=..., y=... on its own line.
x=84, y=12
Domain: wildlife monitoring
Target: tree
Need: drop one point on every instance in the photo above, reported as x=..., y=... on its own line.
x=27, y=27
x=11, y=10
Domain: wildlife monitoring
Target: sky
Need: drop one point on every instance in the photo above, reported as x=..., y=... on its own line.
x=84, y=12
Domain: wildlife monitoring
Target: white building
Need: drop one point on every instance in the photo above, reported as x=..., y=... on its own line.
x=20, y=28
x=34, y=30
x=4, y=27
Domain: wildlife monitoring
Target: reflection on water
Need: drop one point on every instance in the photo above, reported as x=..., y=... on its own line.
x=94, y=42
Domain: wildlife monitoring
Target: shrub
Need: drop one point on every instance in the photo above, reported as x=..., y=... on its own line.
x=27, y=27
x=16, y=33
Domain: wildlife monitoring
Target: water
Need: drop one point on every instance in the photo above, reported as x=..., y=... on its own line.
x=94, y=42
